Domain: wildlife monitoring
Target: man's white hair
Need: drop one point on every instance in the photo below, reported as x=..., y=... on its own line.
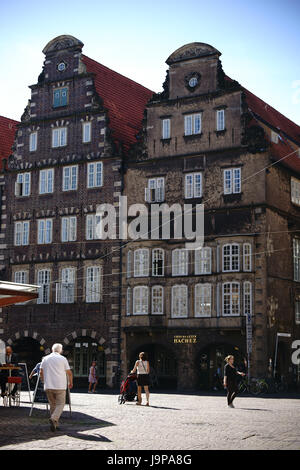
x=57, y=348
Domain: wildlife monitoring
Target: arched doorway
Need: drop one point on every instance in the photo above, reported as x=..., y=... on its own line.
x=80, y=354
x=163, y=365
x=210, y=364
x=28, y=350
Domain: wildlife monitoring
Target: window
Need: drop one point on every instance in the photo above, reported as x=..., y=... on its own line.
x=95, y=175
x=155, y=192
x=193, y=185
x=297, y=311
x=157, y=262
x=247, y=298
x=192, y=124
x=247, y=257
x=141, y=263
x=274, y=137
x=232, y=181
x=129, y=264
x=21, y=277
x=22, y=186
x=21, y=233
x=179, y=302
x=46, y=181
x=180, y=262
x=60, y=97
x=86, y=132
x=203, y=261
x=44, y=231
x=128, y=301
x=202, y=300
x=295, y=191
x=296, y=256
x=93, y=227
x=231, y=257
x=93, y=284
x=70, y=178
x=140, y=300
x=220, y=120
x=43, y=280
x=166, y=128
x=157, y=300
x=33, y=141
x=68, y=229
x=59, y=137
x=65, y=289
x=231, y=299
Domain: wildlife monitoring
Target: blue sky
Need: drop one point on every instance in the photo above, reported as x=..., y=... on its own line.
x=259, y=42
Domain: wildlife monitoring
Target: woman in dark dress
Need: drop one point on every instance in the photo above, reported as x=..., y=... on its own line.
x=230, y=380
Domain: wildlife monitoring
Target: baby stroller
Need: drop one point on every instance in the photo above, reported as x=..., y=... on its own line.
x=128, y=389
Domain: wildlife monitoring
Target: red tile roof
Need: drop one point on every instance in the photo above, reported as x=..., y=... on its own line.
x=124, y=99
x=7, y=135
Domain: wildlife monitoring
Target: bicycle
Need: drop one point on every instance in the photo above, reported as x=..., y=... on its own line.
x=256, y=386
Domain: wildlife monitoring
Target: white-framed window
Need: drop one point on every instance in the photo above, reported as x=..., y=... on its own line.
x=231, y=298
x=232, y=181
x=65, y=289
x=68, y=229
x=297, y=311
x=129, y=264
x=203, y=260
x=231, y=257
x=44, y=231
x=220, y=117
x=247, y=300
x=59, y=137
x=93, y=284
x=296, y=258
x=95, y=175
x=295, y=191
x=140, y=300
x=93, y=227
x=155, y=192
x=180, y=259
x=203, y=300
x=193, y=185
x=43, y=280
x=46, y=181
x=86, y=132
x=128, y=301
x=22, y=233
x=21, y=277
x=70, y=178
x=157, y=300
x=22, y=185
x=192, y=124
x=158, y=257
x=179, y=307
x=33, y=141
x=247, y=258
x=141, y=262
x=166, y=128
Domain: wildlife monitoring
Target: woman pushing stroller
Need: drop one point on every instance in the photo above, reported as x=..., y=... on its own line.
x=142, y=369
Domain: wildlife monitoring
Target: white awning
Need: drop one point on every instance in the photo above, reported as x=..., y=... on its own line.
x=13, y=293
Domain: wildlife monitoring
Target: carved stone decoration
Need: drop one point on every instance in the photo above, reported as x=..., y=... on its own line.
x=26, y=115
x=192, y=51
x=61, y=43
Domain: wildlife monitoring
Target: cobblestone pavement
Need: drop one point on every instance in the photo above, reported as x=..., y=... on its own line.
x=172, y=422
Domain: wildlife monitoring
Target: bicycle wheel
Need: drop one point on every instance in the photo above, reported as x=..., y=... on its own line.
x=255, y=388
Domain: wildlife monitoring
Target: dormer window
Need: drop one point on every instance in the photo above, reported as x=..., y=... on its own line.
x=60, y=97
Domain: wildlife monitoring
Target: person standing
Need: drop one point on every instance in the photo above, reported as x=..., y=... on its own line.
x=56, y=374
x=142, y=368
x=230, y=380
x=93, y=379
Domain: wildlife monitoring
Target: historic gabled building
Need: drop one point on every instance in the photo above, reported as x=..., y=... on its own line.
x=80, y=120
x=208, y=140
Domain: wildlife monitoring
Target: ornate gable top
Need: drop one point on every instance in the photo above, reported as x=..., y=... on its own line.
x=190, y=51
x=61, y=43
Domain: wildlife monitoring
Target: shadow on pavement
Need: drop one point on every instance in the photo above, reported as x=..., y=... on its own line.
x=16, y=427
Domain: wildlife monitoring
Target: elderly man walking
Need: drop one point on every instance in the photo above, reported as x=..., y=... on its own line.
x=54, y=372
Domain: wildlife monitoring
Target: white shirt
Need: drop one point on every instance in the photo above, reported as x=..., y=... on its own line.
x=54, y=367
x=142, y=367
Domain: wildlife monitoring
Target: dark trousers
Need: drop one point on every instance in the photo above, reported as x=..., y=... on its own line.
x=3, y=380
x=232, y=390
